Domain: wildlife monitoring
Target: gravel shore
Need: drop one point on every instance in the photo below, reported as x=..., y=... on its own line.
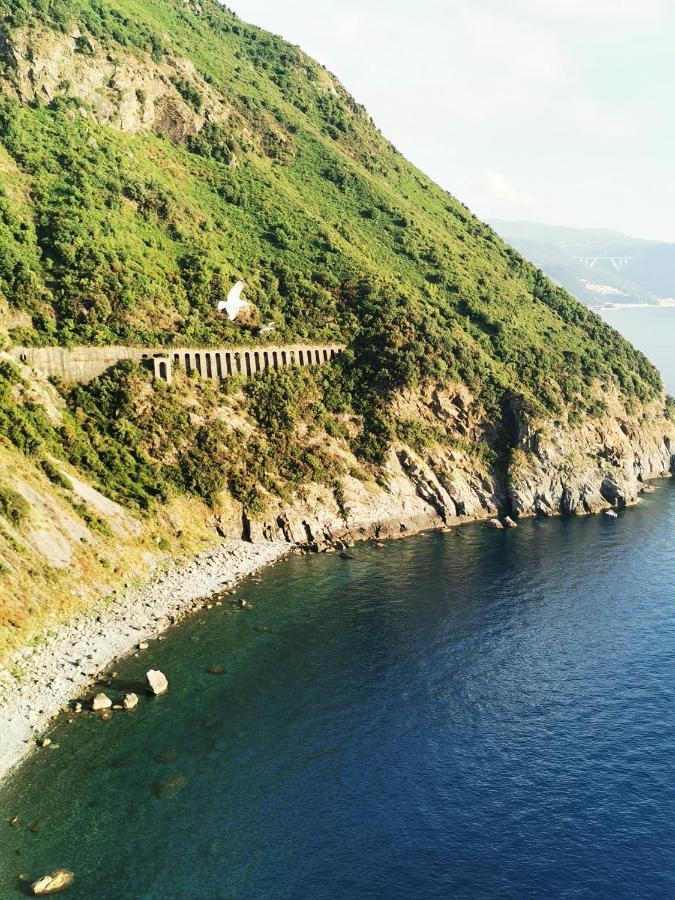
x=65, y=664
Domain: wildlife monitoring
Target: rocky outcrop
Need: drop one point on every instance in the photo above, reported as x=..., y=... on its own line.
x=100, y=702
x=57, y=881
x=592, y=466
x=156, y=682
x=125, y=92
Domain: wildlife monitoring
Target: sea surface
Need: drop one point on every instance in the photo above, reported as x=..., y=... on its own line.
x=652, y=330
x=477, y=714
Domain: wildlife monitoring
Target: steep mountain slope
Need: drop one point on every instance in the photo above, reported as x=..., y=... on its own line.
x=152, y=153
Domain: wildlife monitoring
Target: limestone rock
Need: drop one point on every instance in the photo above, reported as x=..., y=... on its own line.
x=156, y=682
x=611, y=514
x=130, y=701
x=509, y=522
x=100, y=702
x=143, y=645
x=57, y=881
x=495, y=523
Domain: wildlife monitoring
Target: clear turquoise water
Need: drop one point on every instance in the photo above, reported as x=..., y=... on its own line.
x=472, y=715
x=653, y=332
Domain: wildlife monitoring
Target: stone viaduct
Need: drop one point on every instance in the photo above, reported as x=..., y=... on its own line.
x=84, y=363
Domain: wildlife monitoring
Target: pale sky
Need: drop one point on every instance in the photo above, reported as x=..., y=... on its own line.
x=556, y=111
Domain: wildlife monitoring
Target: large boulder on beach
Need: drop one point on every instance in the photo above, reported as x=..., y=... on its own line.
x=101, y=701
x=156, y=682
x=57, y=881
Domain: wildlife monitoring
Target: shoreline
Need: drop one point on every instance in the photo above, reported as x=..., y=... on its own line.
x=67, y=663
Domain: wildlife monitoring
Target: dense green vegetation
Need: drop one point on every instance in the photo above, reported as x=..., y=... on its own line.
x=108, y=236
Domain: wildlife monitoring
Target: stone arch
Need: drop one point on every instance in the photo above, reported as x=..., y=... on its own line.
x=275, y=359
x=228, y=363
x=219, y=366
x=256, y=361
x=163, y=370
x=284, y=359
x=247, y=363
x=188, y=365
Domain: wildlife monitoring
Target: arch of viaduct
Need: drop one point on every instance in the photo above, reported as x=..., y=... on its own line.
x=82, y=364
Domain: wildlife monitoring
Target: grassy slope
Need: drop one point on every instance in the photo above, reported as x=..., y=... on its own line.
x=109, y=236
x=130, y=239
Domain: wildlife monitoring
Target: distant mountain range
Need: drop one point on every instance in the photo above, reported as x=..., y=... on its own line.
x=599, y=266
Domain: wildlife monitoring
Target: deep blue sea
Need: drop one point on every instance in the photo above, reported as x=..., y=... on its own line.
x=477, y=714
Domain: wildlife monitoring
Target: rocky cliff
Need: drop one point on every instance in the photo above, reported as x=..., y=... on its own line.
x=152, y=154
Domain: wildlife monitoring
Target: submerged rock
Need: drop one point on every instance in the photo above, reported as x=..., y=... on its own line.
x=15, y=822
x=216, y=670
x=611, y=514
x=57, y=881
x=170, y=786
x=37, y=826
x=495, y=523
x=100, y=702
x=130, y=701
x=157, y=682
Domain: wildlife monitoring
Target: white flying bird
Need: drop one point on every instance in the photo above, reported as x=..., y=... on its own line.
x=234, y=304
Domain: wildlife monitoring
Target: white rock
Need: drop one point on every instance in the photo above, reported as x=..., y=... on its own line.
x=156, y=682
x=56, y=881
x=101, y=701
x=143, y=645
x=130, y=701
x=510, y=523
x=611, y=514
x=495, y=523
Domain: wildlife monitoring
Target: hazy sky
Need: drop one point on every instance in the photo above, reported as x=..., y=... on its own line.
x=560, y=111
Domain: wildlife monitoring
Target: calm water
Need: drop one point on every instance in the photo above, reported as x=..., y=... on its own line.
x=472, y=715
x=653, y=332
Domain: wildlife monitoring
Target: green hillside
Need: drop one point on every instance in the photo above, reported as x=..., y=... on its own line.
x=109, y=236
x=152, y=153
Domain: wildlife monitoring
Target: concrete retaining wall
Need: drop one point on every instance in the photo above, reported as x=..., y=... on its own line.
x=85, y=363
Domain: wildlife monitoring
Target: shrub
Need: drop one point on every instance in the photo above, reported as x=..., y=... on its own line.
x=13, y=506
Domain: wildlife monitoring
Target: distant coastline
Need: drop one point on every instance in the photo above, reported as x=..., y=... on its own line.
x=660, y=304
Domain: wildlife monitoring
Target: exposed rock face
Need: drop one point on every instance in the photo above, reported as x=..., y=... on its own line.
x=57, y=881
x=125, y=92
x=586, y=469
x=130, y=701
x=554, y=469
x=156, y=682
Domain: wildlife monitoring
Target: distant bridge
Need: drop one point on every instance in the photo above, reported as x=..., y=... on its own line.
x=82, y=364
x=619, y=262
